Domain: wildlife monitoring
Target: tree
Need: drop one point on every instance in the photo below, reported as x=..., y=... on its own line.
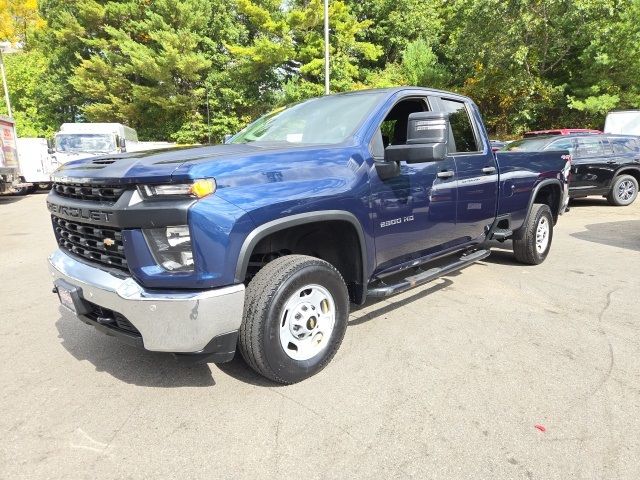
x=522, y=70
x=31, y=95
x=150, y=65
x=165, y=66
x=18, y=18
x=609, y=65
x=394, y=24
x=284, y=57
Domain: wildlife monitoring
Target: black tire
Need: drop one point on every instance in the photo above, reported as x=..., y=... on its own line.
x=623, y=191
x=19, y=192
x=266, y=296
x=22, y=191
x=525, y=247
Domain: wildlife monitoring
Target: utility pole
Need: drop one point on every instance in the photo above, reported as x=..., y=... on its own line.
x=326, y=47
x=208, y=121
x=4, y=84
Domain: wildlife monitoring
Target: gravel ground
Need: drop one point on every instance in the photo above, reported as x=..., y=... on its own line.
x=446, y=381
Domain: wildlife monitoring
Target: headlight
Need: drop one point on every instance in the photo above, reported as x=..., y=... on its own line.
x=171, y=247
x=197, y=189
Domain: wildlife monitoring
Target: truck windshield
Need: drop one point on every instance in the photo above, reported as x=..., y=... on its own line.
x=324, y=120
x=85, y=142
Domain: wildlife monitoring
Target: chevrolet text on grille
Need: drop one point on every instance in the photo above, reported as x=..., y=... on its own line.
x=73, y=212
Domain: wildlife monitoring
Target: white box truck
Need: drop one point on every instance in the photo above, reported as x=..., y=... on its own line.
x=35, y=165
x=75, y=141
x=623, y=122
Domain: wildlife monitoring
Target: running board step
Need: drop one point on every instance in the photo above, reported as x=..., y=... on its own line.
x=501, y=234
x=427, y=276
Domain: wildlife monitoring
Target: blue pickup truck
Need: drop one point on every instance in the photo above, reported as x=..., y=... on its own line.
x=262, y=243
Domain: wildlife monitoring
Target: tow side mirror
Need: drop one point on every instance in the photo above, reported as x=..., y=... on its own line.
x=50, y=146
x=427, y=138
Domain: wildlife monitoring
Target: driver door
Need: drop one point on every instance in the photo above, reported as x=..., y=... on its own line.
x=414, y=211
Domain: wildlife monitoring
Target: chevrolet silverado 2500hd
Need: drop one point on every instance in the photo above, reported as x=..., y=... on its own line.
x=263, y=242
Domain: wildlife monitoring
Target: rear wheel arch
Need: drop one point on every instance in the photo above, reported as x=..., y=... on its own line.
x=633, y=171
x=547, y=192
x=329, y=235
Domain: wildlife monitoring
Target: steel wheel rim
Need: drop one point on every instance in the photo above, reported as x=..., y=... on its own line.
x=307, y=322
x=542, y=234
x=626, y=190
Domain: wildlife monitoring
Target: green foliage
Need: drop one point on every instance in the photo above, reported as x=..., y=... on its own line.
x=420, y=65
x=31, y=94
x=194, y=69
x=284, y=60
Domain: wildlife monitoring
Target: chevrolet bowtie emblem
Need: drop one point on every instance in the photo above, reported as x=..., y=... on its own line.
x=109, y=242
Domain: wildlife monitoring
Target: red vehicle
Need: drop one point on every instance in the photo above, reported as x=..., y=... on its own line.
x=560, y=131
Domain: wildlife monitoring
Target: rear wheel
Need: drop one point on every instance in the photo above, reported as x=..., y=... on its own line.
x=623, y=191
x=535, y=241
x=295, y=317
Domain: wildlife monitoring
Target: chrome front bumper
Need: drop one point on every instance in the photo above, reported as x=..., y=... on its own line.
x=178, y=322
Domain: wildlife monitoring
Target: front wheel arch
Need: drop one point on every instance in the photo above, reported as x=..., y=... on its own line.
x=357, y=277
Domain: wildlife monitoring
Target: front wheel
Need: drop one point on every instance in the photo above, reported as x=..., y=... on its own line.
x=534, y=243
x=623, y=191
x=295, y=316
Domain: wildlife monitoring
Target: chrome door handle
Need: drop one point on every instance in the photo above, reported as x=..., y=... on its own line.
x=446, y=174
x=488, y=170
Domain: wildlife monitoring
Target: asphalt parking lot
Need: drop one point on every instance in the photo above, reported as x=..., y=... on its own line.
x=447, y=381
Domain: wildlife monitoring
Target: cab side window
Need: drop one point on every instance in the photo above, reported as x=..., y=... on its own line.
x=393, y=129
x=464, y=138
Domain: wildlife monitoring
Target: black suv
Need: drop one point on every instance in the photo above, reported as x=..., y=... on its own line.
x=607, y=165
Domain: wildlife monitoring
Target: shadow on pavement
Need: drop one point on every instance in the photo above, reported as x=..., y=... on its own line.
x=589, y=202
x=7, y=199
x=386, y=307
x=502, y=254
x=624, y=234
x=126, y=363
x=238, y=369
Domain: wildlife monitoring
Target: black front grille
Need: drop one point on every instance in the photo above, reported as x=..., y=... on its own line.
x=85, y=191
x=111, y=319
x=94, y=243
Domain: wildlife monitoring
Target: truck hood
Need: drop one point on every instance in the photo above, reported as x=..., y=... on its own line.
x=232, y=165
x=155, y=166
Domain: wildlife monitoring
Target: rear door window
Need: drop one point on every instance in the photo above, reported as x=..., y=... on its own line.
x=589, y=147
x=464, y=137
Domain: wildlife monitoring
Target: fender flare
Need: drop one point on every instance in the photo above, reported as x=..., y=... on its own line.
x=278, y=224
x=534, y=193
